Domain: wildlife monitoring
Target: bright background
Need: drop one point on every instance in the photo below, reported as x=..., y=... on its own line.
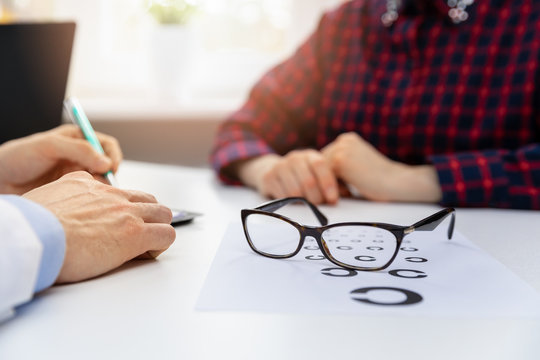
x=163, y=95
x=232, y=43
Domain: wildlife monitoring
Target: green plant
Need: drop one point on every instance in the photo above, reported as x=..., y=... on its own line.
x=172, y=11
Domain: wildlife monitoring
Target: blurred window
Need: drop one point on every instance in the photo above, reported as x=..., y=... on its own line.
x=121, y=50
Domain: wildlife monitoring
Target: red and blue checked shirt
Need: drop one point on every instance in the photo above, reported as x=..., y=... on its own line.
x=462, y=97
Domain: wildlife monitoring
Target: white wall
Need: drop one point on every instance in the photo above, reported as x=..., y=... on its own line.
x=236, y=41
x=113, y=72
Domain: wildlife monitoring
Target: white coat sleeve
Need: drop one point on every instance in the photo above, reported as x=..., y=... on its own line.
x=32, y=246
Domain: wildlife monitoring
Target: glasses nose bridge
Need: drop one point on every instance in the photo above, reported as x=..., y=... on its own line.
x=311, y=231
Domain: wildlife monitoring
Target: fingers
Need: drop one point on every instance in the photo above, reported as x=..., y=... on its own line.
x=157, y=238
x=110, y=144
x=150, y=237
x=155, y=234
x=139, y=196
x=310, y=187
x=301, y=173
x=273, y=187
x=69, y=130
x=281, y=180
x=326, y=179
x=151, y=254
x=288, y=181
x=147, y=207
x=154, y=213
x=83, y=175
x=313, y=176
x=112, y=149
x=77, y=151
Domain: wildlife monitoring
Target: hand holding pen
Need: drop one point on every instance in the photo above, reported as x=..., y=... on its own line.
x=79, y=118
x=77, y=115
x=39, y=159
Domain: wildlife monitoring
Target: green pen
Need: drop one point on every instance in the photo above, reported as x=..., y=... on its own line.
x=77, y=115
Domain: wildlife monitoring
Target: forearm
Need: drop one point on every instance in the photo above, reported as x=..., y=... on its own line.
x=414, y=184
x=275, y=118
x=227, y=154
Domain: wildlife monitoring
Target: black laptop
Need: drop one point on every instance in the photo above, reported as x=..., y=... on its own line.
x=34, y=67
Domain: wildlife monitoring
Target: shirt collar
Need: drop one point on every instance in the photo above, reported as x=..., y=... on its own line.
x=430, y=6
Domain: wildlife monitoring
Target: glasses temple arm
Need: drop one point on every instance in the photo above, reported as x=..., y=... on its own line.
x=278, y=204
x=431, y=222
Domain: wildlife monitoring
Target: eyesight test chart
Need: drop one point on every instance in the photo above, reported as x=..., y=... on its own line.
x=431, y=276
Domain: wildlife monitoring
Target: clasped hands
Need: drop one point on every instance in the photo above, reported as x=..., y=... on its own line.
x=350, y=160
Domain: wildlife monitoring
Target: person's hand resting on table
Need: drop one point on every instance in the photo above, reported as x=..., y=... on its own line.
x=376, y=177
x=299, y=173
x=350, y=159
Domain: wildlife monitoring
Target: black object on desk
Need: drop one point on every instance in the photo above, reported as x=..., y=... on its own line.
x=34, y=67
x=181, y=217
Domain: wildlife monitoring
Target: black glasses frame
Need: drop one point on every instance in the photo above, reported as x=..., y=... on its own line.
x=428, y=224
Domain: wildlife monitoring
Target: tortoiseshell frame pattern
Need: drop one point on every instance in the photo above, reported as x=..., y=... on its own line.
x=427, y=224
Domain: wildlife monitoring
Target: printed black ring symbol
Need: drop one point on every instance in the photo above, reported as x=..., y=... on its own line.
x=348, y=272
x=365, y=258
x=408, y=248
x=411, y=297
x=419, y=274
x=415, y=259
x=375, y=248
x=344, y=247
x=314, y=257
x=310, y=247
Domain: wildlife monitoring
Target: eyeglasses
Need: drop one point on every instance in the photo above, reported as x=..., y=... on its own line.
x=351, y=245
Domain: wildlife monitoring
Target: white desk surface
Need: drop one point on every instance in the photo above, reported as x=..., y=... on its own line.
x=145, y=310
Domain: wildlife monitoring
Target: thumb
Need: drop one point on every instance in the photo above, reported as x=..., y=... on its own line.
x=80, y=152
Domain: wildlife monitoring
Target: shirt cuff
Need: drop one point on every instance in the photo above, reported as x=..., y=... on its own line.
x=472, y=179
x=236, y=151
x=51, y=234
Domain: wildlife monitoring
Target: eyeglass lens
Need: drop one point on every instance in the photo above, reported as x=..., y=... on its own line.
x=271, y=235
x=360, y=246
x=354, y=245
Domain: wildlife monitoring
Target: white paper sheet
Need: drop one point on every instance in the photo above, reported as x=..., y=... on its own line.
x=457, y=279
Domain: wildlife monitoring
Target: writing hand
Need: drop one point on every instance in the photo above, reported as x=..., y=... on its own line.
x=38, y=159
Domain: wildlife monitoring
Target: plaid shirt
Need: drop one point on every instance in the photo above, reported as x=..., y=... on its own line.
x=464, y=98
